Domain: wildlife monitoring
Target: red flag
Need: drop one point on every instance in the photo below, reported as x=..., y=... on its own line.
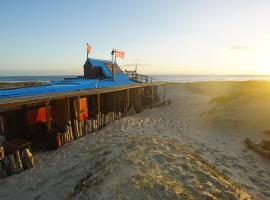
x=120, y=54
x=88, y=48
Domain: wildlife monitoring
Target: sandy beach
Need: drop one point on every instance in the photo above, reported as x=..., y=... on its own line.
x=191, y=149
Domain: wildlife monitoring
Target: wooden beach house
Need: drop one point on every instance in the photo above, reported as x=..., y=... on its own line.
x=48, y=116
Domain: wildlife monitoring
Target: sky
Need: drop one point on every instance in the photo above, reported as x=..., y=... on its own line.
x=162, y=37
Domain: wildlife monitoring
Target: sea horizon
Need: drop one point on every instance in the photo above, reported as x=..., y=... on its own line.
x=163, y=78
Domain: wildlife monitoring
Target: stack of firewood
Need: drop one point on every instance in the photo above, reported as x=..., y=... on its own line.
x=15, y=162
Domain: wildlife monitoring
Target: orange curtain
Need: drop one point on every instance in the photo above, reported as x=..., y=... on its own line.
x=83, y=109
x=37, y=115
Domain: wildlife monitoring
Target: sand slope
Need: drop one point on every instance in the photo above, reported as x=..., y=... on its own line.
x=217, y=129
x=126, y=165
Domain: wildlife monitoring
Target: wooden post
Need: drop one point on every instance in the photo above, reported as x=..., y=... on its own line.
x=98, y=103
x=2, y=128
x=68, y=109
x=139, y=95
x=127, y=97
x=116, y=100
x=78, y=108
x=48, y=115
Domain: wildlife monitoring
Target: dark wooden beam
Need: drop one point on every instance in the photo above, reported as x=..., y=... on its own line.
x=78, y=108
x=128, y=97
x=98, y=103
x=139, y=94
x=68, y=109
x=48, y=115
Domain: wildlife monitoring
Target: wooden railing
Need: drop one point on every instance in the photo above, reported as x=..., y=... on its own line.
x=138, y=77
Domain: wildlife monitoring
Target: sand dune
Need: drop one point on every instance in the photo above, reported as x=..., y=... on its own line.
x=181, y=151
x=217, y=117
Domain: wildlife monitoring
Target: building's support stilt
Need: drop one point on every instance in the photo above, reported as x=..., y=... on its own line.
x=48, y=115
x=98, y=103
x=68, y=109
x=139, y=96
x=128, y=98
x=78, y=109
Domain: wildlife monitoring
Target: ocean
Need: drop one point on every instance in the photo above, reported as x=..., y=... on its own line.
x=32, y=78
x=165, y=78
x=202, y=78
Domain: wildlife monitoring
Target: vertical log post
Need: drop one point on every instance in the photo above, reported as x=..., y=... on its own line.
x=78, y=108
x=68, y=109
x=127, y=97
x=48, y=115
x=98, y=103
x=139, y=96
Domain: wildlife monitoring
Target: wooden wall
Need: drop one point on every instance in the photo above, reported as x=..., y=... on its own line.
x=135, y=99
x=60, y=113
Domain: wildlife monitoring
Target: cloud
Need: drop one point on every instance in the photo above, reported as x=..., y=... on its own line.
x=239, y=47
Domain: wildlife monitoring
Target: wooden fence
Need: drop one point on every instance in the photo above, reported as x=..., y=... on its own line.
x=138, y=77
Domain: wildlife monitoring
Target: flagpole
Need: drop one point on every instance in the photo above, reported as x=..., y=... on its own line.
x=87, y=53
x=113, y=52
x=115, y=64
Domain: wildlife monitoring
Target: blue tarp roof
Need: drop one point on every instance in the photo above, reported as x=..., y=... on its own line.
x=101, y=64
x=71, y=84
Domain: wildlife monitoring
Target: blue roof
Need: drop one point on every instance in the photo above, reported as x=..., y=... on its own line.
x=101, y=64
x=71, y=84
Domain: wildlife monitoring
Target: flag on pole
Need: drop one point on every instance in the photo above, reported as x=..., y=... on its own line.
x=88, y=48
x=120, y=54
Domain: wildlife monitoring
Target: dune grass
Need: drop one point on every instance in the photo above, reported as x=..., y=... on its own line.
x=235, y=103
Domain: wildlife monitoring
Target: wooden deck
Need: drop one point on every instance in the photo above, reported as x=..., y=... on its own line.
x=6, y=103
